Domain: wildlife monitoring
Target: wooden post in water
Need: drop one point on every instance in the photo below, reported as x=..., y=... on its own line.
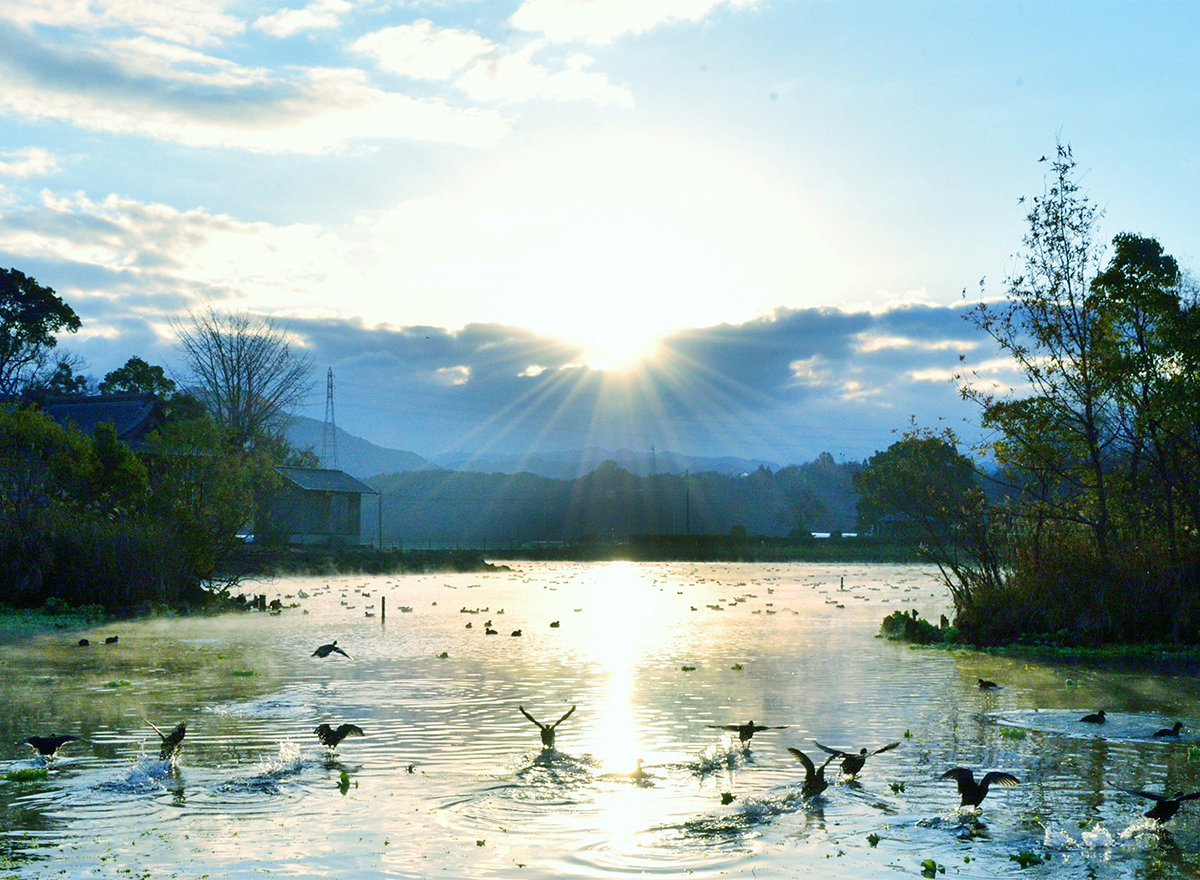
x=382, y=608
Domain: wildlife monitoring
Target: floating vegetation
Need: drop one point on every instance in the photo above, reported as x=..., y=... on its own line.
x=444, y=655
x=243, y=673
x=897, y=787
x=1025, y=858
x=873, y=839
x=27, y=774
x=930, y=868
x=117, y=683
x=1012, y=733
x=688, y=668
x=737, y=667
x=727, y=797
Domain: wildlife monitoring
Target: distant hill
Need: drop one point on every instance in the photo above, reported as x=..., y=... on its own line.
x=356, y=456
x=572, y=464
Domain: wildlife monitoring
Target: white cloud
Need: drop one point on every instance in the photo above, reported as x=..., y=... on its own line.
x=320, y=15
x=320, y=111
x=193, y=254
x=600, y=21
x=492, y=72
x=190, y=22
x=514, y=77
x=423, y=51
x=28, y=162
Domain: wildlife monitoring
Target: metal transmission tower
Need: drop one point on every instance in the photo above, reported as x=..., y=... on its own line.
x=329, y=456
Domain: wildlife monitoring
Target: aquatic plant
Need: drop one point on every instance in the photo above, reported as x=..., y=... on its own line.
x=27, y=774
x=873, y=839
x=930, y=868
x=116, y=683
x=1025, y=858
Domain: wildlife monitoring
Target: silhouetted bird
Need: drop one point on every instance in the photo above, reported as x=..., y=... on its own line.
x=1174, y=730
x=112, y=640
x=974, y=792
x=170, y=741
x=331, y=648
x=333, y=738
x=1164, y=807
x=1094, y=718
x=548, y=730
x=814, y=777
x=985, y=685
x=852, y=762
x=83, y=643
x=48, y=746
x=747, y=730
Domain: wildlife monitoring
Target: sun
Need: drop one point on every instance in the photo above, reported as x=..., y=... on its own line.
x=616, y=290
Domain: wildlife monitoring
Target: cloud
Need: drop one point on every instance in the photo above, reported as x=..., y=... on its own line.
x=165, y=94
x=486, y=71
x=423, y=51
x=27, y=162
x=728, y=389
x=188, y=22
x=600, y=21
x=320, y=15
x=514, y=77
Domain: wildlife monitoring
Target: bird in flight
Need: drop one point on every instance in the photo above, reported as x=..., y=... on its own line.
x=852, y=762
x=331, y=648
x=48, y=746
x=547, y=730
x=1164, y=807
x=333, y=737
x=814, y=777
x=974, y=792
x=170, y=741
x=747, y=730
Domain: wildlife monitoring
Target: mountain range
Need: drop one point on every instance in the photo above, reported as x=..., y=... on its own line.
x=361, y=458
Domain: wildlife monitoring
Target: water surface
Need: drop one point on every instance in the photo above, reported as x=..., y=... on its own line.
x=450, y=779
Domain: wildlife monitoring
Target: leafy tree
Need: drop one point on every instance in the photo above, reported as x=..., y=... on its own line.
x=245, y=371
x=138, y=377
x=923, y=487
x=1061, y=430
x=30, y=316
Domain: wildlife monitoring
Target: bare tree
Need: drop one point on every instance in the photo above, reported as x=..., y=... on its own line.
x=245, y=370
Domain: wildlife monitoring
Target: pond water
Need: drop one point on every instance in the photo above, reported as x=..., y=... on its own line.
x=450, y=779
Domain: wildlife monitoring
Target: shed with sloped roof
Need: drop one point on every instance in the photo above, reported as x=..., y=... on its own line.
x=312, y=505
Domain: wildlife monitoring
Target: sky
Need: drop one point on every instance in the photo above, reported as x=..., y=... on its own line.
x=716, y=227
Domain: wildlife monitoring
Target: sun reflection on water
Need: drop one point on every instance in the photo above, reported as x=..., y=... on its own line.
x=619, y=618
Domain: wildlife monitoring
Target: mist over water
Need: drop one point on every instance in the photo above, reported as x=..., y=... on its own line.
x=450, y=779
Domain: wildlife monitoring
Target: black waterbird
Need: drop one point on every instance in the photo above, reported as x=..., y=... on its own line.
x=48, y=746
x=332, y=738
x=974, y=792
x=170, y=741
x=747, y=730
x=814, y=777
x=852, y=762
x=1164, y=807
x=547, y=730
x=331, y=648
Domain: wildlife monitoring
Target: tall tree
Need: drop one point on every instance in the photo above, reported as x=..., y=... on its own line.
x=245, y=370
x=1062, y=426
x=30, y=316
x=138, y=377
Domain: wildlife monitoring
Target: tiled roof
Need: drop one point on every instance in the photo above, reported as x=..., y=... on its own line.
x=133, y=415
x=321, y=480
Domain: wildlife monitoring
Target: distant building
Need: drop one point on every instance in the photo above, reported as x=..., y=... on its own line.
x=133, y=416
x=312, y=506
